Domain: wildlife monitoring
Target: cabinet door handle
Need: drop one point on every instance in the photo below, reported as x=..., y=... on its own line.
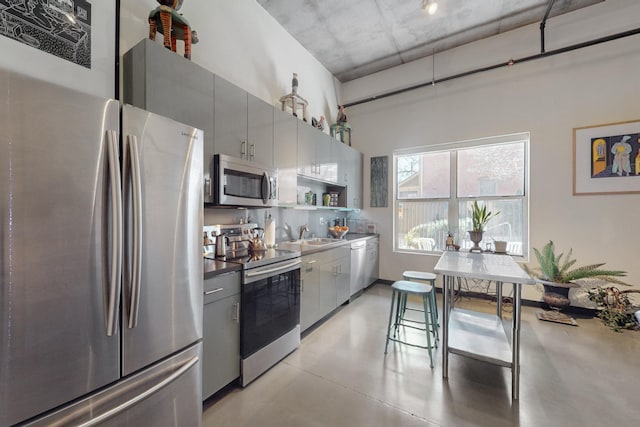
x=252, y=151
x=236, y=311
x=214, y=291
x=243, y=150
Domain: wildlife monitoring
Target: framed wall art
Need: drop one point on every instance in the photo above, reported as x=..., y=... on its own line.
x=606, y=159
x=379, y=178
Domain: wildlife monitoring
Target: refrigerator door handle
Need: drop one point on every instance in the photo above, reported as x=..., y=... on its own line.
x=136, y=212
x=128, y=404
x=116, y=231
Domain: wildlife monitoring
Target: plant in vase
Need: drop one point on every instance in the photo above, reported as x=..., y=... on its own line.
x=480, y=216
x=557, y=276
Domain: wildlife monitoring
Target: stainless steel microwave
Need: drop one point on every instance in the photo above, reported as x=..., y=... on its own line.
x=238, y=182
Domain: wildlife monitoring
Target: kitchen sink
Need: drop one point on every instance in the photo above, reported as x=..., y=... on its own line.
x=318, y=241
x=313, y=242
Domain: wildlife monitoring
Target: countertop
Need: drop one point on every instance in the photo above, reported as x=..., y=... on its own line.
x=213, y=268
x=306, y=249
x=482, y=266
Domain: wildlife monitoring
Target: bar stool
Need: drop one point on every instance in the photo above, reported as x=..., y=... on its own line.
x=400, y=290
x=423, y=276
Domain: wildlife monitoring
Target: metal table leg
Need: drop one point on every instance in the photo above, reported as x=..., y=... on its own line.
x=515, y=342
x=499, y=297
x=447, y=283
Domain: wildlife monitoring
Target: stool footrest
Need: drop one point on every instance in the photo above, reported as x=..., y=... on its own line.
x=412, y=345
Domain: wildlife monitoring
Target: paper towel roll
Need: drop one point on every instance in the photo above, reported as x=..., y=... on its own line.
x=270, y=233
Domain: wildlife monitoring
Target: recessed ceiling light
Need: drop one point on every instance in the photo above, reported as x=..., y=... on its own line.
x=430, y=6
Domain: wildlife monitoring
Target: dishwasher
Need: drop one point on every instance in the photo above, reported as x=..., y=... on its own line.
x=358, y=260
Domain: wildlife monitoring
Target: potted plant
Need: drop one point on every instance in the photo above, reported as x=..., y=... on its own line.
x=557, y=276
x=480, y=216
x=616, y=309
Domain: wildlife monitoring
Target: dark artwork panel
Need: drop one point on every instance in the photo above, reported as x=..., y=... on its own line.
x=58, y=27
x=615, y=156
x=379, y=181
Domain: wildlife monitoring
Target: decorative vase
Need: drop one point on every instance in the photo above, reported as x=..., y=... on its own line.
x=476, y=238
x=556, y=295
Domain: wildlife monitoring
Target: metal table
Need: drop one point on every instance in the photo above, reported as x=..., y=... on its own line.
x=478, y=335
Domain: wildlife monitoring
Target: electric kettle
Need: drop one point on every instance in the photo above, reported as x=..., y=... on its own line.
x=256, y=243
x=222, y=244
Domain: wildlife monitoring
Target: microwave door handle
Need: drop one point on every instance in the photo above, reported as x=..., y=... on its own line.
x=116, y=232
x=266, y=184
x=136, y=271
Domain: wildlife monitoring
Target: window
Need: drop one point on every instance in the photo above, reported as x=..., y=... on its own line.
x=434, y=188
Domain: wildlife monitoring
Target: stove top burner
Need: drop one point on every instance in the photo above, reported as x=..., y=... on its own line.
x=259, y=258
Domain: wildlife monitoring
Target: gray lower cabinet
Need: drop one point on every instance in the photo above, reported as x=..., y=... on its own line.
x=221, y=332
x=310, y=290
x=341, y=270
x=372, y=261
x=325, y=279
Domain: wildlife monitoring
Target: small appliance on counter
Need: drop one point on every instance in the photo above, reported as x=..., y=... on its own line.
x=228, y=240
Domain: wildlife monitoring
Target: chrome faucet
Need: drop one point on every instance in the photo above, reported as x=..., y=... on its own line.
x=303, y=228
x=287, y=229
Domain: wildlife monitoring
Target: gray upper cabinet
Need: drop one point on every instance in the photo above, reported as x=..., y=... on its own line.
x=307, y=165
x=230, y=133
x=349, y=163
x=157, y=80
x=260, y=131
x=314, y=154
x=243, y=124
x=285, y=139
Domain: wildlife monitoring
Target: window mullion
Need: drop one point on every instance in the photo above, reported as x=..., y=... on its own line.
x=453, y=195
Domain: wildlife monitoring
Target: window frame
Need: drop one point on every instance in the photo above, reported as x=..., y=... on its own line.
x=454, y=201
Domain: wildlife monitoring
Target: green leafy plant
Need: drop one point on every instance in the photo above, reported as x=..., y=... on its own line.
x=558, y=268
x=480, y=216
x=616, y=310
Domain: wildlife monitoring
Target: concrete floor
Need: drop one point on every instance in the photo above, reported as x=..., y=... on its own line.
x=570, y=376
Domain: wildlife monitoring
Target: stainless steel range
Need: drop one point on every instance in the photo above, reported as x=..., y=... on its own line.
x=269, y=308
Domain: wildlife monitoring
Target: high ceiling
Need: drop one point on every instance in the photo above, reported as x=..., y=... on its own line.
x=354, y=38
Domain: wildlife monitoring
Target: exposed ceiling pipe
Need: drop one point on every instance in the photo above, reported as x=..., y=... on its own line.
x=543, y=24
x=509, y=63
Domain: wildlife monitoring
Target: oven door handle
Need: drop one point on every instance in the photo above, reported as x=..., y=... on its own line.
x=260, y=272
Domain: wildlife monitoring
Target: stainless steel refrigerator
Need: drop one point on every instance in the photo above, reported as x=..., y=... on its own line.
x=101, y=269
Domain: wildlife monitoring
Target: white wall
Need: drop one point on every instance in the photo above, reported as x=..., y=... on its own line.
x=242, y=43
x=547, y=97
x=99, y=80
